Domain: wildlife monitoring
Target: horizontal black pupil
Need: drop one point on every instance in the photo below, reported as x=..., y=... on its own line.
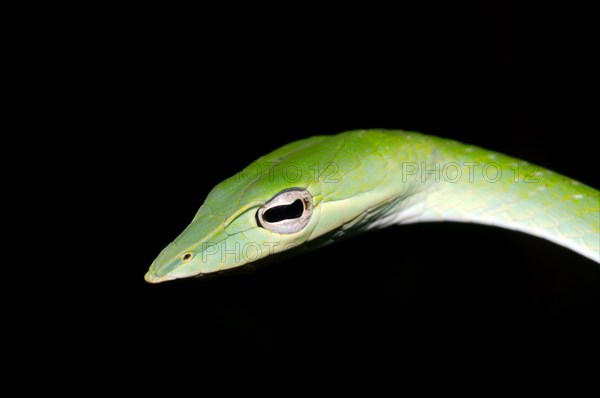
x=284, y=212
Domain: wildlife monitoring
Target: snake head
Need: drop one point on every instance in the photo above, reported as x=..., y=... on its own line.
x=312, y=190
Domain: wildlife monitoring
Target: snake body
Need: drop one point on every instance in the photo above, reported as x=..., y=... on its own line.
x=320, y=189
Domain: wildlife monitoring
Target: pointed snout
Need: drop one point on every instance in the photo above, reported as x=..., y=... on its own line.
x=152, y=276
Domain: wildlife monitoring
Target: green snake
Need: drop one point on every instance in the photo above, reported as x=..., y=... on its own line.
x=318, y=190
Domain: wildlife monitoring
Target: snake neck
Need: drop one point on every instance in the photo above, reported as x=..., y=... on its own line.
x=463, y=183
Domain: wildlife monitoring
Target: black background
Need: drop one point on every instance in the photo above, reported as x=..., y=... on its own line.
x=166, y=103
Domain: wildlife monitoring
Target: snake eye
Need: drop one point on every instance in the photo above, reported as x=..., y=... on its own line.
x=186, y=257
x=287, y=212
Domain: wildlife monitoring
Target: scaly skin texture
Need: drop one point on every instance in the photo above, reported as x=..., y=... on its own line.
x=372, y=178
